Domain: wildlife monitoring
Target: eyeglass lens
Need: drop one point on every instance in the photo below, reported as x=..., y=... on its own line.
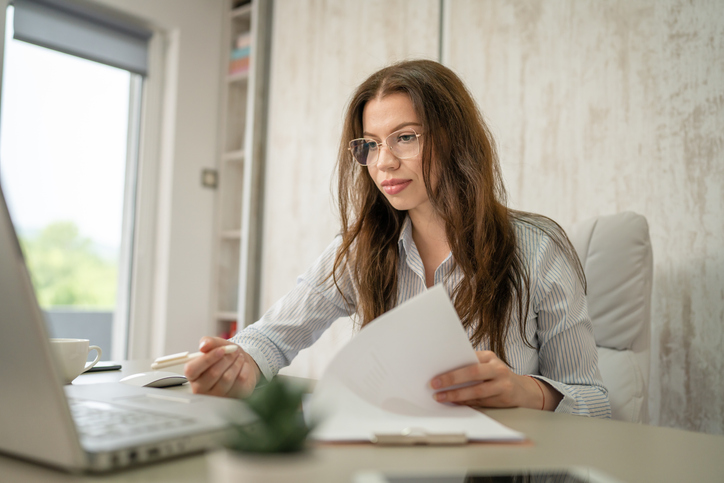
x=403, y=144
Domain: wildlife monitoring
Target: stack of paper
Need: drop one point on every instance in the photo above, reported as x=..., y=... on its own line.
x=379, y=383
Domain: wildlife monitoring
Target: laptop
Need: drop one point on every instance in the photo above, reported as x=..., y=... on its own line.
x=67, y=426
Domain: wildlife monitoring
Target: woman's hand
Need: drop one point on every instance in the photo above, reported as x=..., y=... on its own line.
x=494, y=385
x=220, y=374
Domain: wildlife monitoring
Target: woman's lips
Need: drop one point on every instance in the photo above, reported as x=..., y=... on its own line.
x=394, y=186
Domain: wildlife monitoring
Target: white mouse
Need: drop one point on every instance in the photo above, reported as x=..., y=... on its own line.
x=155, y=379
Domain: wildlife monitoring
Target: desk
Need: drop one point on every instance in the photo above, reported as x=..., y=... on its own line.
x=629, y=452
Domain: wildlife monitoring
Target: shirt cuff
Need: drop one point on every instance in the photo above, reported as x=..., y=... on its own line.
x=567, y=403
x=260, y=360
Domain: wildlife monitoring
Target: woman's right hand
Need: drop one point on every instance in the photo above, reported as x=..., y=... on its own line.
x=219, y=374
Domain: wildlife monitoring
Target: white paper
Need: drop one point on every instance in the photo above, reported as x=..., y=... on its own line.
x=380, y=381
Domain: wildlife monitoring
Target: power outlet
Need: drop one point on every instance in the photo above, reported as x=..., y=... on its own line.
x=209, y=178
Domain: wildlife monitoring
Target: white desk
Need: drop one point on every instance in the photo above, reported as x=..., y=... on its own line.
x=629, y=452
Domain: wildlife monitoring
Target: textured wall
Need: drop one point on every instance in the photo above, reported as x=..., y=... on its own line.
x=321, y=51
x=600, y=107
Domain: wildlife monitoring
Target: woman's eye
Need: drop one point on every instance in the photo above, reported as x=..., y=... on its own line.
x=405, y=138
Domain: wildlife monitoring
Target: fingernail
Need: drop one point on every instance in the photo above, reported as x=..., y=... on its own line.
x=440, y=396
x=435, y=383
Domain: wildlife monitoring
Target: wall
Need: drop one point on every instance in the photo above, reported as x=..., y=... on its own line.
x=600, y=107
x=321, y=51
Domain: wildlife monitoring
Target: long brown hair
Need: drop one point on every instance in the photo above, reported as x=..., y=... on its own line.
x=468, y=196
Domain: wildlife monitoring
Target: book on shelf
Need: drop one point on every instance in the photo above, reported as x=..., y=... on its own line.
x=239, y=60
x=230, y=330
x=240, y=53
x=239, y=66
x=242, y=40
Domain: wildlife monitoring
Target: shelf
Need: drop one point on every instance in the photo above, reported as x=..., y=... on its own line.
x=233, y=155
x=242, y=11
x=231, y=235
x=238, y=77
x=234, y=159
x=227, y=316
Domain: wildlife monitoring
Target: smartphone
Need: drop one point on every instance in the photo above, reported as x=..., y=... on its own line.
x=105, y=366
x=567, y=475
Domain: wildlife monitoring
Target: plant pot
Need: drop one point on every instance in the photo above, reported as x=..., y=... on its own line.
x=227, y=466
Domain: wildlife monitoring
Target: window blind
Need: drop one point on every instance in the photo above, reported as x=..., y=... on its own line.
x=78, y=30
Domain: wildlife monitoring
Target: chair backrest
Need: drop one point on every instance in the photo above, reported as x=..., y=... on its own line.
x=617, y=259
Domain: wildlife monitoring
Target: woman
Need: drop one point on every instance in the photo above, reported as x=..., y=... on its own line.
x=422, y=202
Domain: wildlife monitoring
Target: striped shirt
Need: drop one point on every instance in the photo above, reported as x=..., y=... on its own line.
x=558, y=327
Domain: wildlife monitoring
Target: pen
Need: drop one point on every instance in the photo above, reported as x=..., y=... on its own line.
x=184, y=357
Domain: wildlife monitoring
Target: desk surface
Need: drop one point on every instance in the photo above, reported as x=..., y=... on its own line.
x=629, y=452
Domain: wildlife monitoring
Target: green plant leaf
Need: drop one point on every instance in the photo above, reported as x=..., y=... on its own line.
x=281, y=427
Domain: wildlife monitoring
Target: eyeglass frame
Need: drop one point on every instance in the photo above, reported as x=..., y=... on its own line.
x=385, y=144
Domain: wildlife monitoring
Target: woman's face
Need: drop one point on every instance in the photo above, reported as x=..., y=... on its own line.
x=400, y=180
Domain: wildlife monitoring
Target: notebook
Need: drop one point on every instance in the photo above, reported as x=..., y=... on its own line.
x=37, y=411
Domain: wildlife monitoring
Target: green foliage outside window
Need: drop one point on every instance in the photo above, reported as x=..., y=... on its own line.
x=67, y=270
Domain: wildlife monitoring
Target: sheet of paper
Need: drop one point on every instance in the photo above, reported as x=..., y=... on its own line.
x=379, y=382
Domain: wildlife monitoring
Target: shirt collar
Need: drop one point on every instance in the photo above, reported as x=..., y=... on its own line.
x=405, y=242
x=408, y=249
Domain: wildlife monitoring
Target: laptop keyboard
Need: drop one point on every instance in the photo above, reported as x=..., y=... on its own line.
x=98, y=419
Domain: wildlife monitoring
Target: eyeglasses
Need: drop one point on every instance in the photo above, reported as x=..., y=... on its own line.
x=404, y=144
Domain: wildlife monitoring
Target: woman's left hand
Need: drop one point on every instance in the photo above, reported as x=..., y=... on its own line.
x=494, y=385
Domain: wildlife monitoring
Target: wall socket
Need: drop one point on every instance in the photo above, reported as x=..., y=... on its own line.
x=209, y=178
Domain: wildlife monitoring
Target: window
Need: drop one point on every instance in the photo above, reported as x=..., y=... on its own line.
x=67, y=165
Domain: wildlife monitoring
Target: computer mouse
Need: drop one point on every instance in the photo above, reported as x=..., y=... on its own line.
x=155, y=379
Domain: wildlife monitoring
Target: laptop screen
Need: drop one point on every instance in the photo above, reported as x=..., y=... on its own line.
x=35, y=421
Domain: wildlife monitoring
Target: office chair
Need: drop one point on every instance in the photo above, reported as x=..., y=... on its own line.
x=617, y=258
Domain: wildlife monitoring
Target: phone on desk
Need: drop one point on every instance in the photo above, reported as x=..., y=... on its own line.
x=568, y=475
x=105, y=366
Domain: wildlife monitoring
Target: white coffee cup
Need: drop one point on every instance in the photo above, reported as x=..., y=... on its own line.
x=71, y=355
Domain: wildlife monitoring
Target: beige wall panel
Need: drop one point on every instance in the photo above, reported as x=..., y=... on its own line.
x=321, y=50
x=600, y=107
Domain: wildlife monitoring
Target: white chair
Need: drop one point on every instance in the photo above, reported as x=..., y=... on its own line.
x=617, y=259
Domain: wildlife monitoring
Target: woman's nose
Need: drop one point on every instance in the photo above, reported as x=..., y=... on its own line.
x=386, y=160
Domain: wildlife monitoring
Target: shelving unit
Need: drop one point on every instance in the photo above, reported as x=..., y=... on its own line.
x=235, y=94
x=240, y=165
